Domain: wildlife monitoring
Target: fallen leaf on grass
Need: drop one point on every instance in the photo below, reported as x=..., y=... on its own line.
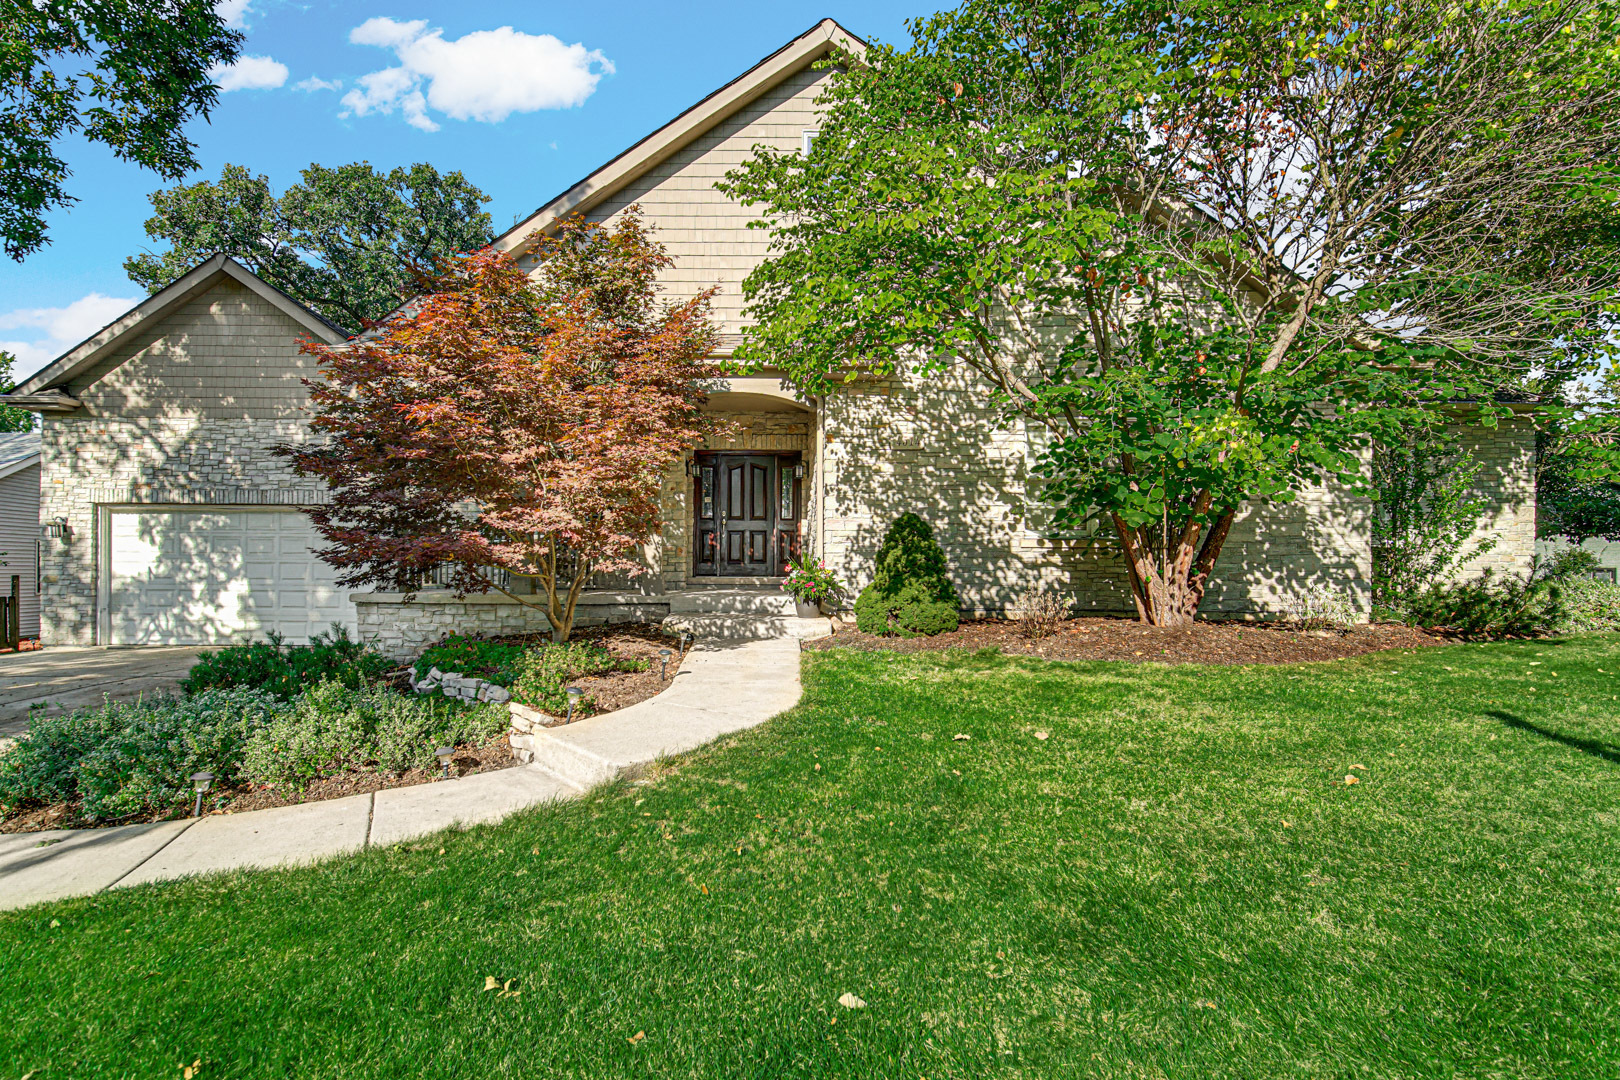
x=187, y=1071
x=1358, y=767
x=850, y=1001
x=637, y=1037
x=1286, y=825
x=959, y=737
x=1351, y=780
x=1041, y=735
x=491, y=983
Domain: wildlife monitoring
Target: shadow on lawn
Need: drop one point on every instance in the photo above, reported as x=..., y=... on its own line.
x=1606, y=751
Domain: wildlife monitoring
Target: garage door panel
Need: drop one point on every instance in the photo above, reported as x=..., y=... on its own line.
x=211, y=577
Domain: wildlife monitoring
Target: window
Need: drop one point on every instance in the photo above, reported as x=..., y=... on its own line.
x=809, y=140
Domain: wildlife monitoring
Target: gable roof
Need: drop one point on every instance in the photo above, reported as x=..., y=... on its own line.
x=18, y=450
x=45, y=389
x=760, y=79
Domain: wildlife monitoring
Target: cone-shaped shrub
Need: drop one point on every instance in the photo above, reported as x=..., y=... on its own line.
x=912, y=592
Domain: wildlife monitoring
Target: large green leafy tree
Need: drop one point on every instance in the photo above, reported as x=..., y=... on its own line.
x=1213, y=250
x=11, y=417
x=127, y=74
x=351, y=242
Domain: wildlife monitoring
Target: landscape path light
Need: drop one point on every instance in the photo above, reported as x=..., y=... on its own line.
x=201, y=781
x=574, y=694
x=663, y=663
x=444, y=754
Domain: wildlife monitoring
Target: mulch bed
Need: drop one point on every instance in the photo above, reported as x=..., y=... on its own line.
x=611, y=692
x=1132, y=642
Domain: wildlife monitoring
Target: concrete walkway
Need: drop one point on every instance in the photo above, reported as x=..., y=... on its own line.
x=68, y=677
x=723, y=686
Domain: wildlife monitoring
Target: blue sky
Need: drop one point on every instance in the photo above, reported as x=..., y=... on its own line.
x=523, y=98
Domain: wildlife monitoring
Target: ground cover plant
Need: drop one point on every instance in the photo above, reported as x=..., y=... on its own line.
x=1395, y=865
x=128, y=758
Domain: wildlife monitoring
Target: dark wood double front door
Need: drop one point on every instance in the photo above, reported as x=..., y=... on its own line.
x=747, y=514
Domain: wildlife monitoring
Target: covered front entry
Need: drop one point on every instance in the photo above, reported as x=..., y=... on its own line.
x=747, y=509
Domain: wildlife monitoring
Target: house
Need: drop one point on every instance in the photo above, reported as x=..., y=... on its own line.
x=19, y=524
x=182, y=523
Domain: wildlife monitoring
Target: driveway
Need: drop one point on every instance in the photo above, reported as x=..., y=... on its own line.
x=68, y=677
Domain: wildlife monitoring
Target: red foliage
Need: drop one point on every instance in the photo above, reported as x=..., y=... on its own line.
x=511, y=424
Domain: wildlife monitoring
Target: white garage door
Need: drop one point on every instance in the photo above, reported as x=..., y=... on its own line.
x=189, y=577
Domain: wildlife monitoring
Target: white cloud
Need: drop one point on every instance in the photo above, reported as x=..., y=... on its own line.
x=314, y=83
x=249, y=73
x=486, y=75
x=234, y=12
x=56, y=330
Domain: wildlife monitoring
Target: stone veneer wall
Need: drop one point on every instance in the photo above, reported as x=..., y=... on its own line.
x=930, y=447
x=402, y=630
x=1507, y=482
x=88, y=462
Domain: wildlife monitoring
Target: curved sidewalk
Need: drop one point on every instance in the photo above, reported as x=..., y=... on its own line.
x=721, y=687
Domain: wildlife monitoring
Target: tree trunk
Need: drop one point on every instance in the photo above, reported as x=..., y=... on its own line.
x=1170, y=595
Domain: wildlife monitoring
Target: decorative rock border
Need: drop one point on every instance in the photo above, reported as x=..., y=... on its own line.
x=526, y=720
x=460, y=686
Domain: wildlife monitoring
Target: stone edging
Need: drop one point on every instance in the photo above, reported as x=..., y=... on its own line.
x=464, y=687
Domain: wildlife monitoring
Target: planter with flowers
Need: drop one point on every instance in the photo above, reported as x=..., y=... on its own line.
x=811, y=585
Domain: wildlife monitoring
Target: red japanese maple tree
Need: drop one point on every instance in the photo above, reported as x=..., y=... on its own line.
x=511, y=429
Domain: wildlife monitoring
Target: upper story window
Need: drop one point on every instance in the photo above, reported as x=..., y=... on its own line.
x=809, y=138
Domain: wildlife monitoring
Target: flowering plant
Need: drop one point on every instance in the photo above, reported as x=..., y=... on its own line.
x=809, y=581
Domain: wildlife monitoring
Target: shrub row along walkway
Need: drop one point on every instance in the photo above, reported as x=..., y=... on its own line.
x=721, y=687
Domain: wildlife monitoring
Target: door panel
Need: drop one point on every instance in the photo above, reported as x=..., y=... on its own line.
x=737, y=498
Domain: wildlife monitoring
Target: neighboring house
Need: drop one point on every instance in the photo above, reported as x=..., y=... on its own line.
x=19, y=524
x=1606, y=552
x=157, y=438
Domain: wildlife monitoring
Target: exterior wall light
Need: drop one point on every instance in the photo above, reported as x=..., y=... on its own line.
x=574, y=694
x=444, y=754
x=798, y=471
x=201, y=781
x=692, y=467
x=58, y=528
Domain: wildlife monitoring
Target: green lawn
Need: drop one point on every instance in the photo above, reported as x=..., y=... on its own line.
x=1177, y=881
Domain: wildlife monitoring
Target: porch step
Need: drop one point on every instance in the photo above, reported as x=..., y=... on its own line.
x=719, y=600
x=732, y=627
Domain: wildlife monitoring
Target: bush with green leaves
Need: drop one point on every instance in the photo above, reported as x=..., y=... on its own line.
x=541, y=676
x=1588, y=604
x=128, y=758
x=287, y=670
x=911, y=593
x=1425, y=519
x=1489, y=607
x=334, y=729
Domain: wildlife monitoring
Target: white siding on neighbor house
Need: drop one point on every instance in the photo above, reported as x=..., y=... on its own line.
x=19, y=540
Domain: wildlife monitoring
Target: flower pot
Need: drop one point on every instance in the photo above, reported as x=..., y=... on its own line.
x=807, y=611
